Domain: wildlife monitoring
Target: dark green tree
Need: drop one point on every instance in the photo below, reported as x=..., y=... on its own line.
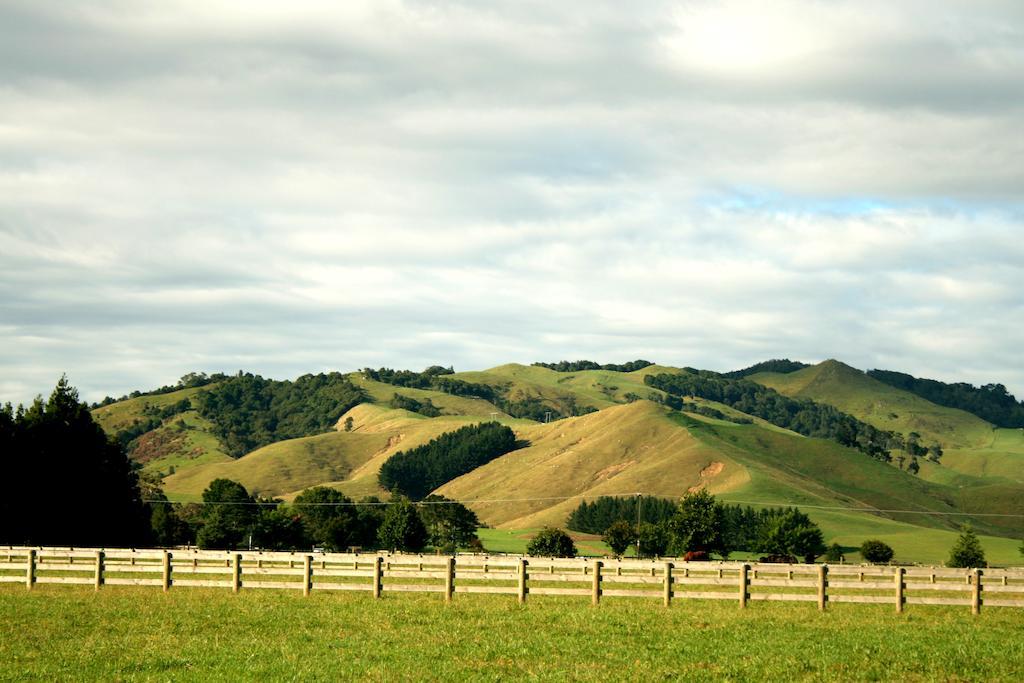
x=697, y=525
x=402, y=528
x=327, y=516
x=369, y=516
x=551, y=542
x=278, y=527
x=228, y=517
x=967, y=551
x=450, y=525
x=418, y=471
x=792, y=533
x=654, y=539
x=619, y=536
x=876, y=551
x=57, y=447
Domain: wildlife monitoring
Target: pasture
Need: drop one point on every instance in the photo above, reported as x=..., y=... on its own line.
x=134, y=633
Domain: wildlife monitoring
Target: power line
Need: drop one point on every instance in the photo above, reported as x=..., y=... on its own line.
x=483, y=501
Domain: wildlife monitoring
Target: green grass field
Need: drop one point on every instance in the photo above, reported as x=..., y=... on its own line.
x=130, y=634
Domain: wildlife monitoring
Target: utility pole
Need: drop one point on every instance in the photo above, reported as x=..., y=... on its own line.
x=638, y=498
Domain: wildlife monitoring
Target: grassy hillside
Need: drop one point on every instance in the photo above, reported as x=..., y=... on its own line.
x=972, y=446
x=348, y=461
x=183, y=441
x=631, y=446
x=619, y=450
x=593, y=388
x=452, y=405
x=880, y=405
x=117, y=416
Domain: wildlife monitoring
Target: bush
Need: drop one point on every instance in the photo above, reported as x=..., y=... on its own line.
x=551, y=542
x=875, y=551
x=834, y=553
x=967, y=551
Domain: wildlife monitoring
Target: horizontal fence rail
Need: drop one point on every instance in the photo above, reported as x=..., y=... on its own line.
x=521, y=577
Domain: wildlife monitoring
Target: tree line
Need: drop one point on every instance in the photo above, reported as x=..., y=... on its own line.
x=515, y=404
x=698, y=524
x=187, y=381
x=799, y=415
x=991, y=402
x=779, y=365
x=319, y=517
x=418, y=471
x=425, y=407
x=580, y=365
x=68, y=483
x=248, y=411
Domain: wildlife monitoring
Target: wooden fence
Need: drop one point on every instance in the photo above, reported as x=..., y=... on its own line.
x=597, y=579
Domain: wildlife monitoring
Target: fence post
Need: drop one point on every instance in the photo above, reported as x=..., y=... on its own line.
x=30, y=570
x=307, y=575
x=449, y=579
x=822, y=586
x=976, y=593
x=377, y=582
x=99, y=570
x=522, y=580
x=595, y=592
x=236, y=573
x=898, y=579
x=668, y=584
x=744, y=585
x=167, y=571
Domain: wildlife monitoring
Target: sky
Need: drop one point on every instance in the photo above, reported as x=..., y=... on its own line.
x=310, y=186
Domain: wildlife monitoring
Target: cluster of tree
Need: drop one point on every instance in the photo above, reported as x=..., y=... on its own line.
x=780, y=365
x=68, y=483
x=188, y=381
x=418, y=471
x=991, y=402
x=319, y=517
x=249, y=411
x=595, y=517
x=800, y=415
x=698, y=523
x=912, y=449
x=408, y=378
x=424, y=407
x=579, y=365
x=704, y=525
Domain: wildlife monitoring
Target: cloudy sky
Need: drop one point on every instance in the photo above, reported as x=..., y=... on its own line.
x=307, y=186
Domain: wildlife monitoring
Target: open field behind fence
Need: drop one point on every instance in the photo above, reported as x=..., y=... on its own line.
x=517, y=577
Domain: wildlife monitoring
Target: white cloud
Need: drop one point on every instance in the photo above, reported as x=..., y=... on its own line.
x=187, y=186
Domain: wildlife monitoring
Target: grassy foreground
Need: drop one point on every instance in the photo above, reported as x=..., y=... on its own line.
x=65, y=633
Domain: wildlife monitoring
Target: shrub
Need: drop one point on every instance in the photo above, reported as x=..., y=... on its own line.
x=875, y=551
x=834, y=553
x=551, y=542
x=967, y=551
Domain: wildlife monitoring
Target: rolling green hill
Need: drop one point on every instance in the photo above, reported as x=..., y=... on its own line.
x=878, y=404
x=631, y=443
